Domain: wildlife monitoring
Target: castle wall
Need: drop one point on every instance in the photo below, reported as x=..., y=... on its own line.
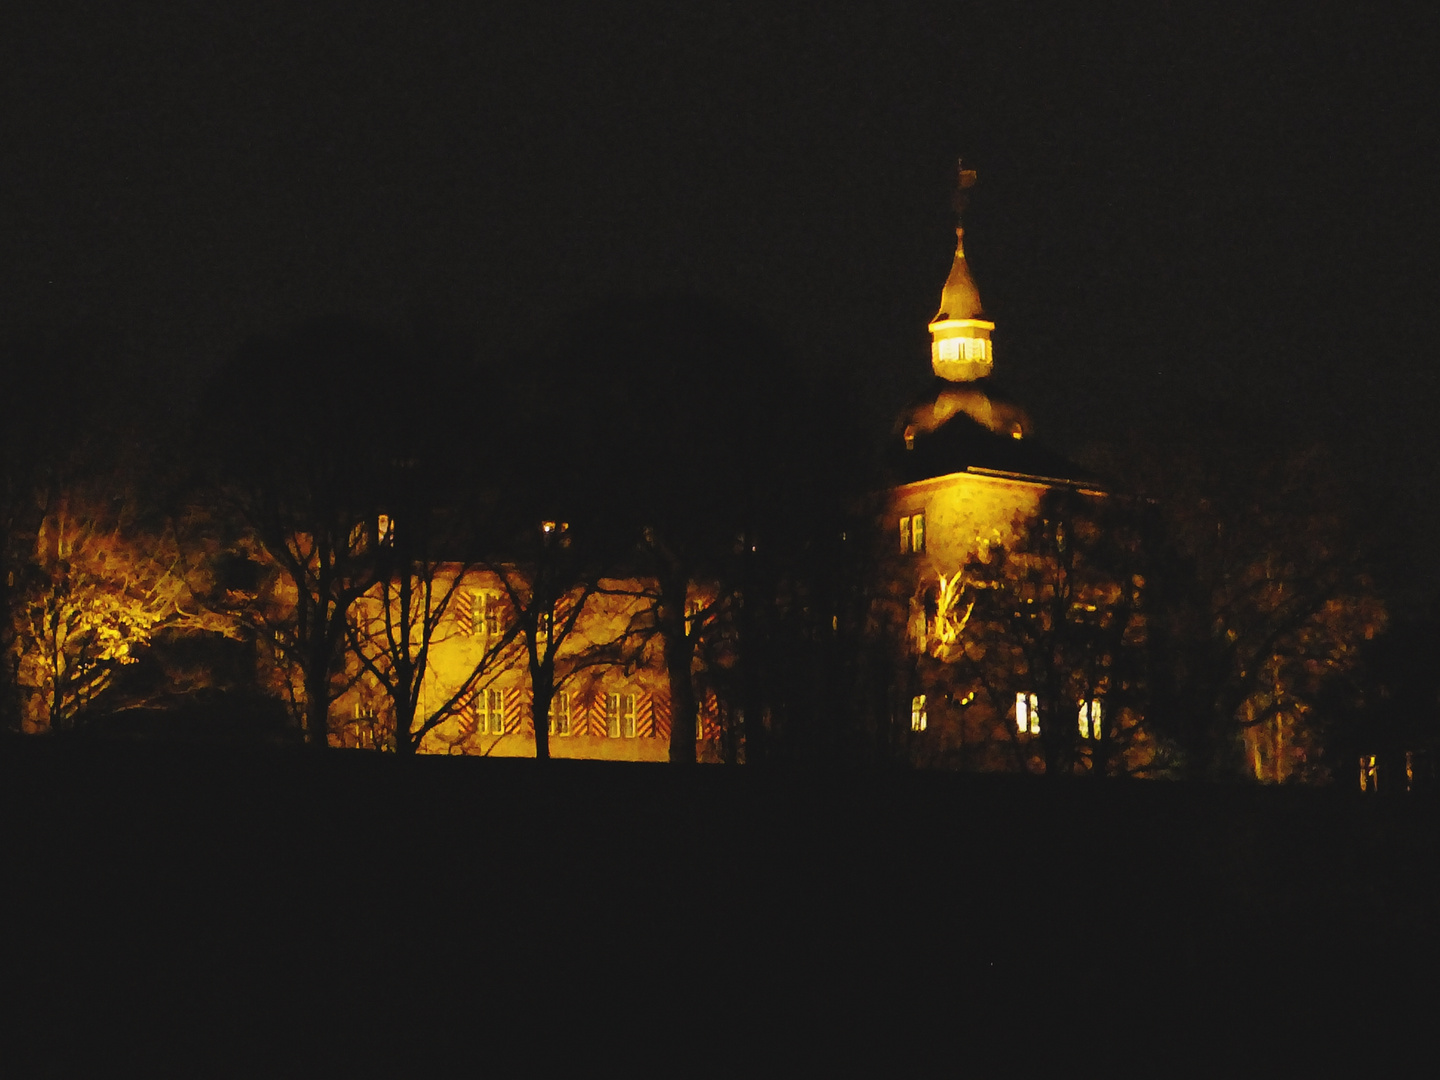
x=616, y=691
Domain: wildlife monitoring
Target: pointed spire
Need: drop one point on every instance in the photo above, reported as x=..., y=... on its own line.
x=960, y=299
x=960, y=334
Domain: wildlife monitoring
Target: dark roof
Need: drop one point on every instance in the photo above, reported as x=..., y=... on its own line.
x=961, y=443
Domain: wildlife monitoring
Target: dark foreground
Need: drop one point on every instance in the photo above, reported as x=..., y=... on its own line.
x=196, y=912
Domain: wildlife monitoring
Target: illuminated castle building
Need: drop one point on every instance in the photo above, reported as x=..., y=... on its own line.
x=966, y=475
x=969, y=481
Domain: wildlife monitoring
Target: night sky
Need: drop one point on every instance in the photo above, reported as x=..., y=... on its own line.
x=1178, y=204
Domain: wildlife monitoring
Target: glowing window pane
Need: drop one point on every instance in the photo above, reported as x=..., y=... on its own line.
x=1027, y=713
x=917, y=529
x=560, y=714
x=950, y=349
x=620, y=716
x=486, y=614
x=1091, y=713
x=904, y=536
x=489, y=706
x=918, y=719
x=1369, y=777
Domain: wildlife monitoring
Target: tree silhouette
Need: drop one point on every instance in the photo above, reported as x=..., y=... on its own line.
x=680, y=437
x=1260, y=595
x=296, y=439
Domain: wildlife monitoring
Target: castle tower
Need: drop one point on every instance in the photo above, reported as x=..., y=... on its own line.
x=960, y=348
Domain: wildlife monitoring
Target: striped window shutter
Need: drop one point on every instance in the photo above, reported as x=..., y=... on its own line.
x=464, y=607
x=660, y=710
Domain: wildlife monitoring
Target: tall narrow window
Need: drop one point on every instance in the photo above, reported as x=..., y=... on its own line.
x=620, y=716
x=1027, y=713
x=917, y=529
x=490, y=712
x=560, y=713
x=1091, y=713
x=918, y=719
x=904, y=536
x=627, y=715
x=1369, y=777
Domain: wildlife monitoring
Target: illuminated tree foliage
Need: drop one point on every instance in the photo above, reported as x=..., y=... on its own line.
x=98, y=589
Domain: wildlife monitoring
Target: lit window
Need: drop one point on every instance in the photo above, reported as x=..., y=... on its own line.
x=918, y=719
x=1369, y=777
x=1027, y=713
x=486, y=615
x=560, y=714
x=917, y=530
x=904, y=536
x=1091, y=714
x=620, y=716
x=950, y=349
x=384, y=529
x=489, y=707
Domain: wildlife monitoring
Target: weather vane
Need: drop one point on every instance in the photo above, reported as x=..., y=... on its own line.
x=965, y=182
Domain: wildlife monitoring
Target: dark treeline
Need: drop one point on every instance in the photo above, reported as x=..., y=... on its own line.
x=197, y=571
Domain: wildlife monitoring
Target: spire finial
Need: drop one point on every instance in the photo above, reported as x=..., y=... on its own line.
x=965, y=181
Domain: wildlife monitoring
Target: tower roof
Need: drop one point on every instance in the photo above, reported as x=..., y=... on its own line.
x=960, y=298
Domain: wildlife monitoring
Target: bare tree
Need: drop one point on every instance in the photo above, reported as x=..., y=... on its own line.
x=1051, y=625
x=409, y=611
x=550, y=593
x=297, y=451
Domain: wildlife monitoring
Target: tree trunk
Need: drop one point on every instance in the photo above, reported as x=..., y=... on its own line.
x=683, y=708
x=542, y=692
x=317, y=711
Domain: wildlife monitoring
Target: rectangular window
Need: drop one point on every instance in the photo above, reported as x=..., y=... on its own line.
x=1369, y=777
x=489, y=708
x=1091, y=714
x=560, y=713
x=904, y=536
x=917, y=529
x=918, y=719
x=950, y=349
x=1027, y=713
x=487, y=615
x=620, y=716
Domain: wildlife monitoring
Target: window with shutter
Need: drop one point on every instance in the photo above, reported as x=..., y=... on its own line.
x=560, y=713
x=620, y=716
